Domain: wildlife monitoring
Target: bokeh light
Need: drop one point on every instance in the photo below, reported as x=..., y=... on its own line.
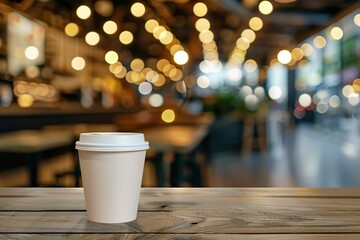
x=336, y=33
x=83, y=12
x=265, y=7
x=138, y=9
x=168, y=115
x=111, y=57
x=200, y=9
x=78, y=63
x=110, y=27
x=126, y=37
x=92, y=38
x=156, y=100
x=71, y=29
x=31, y=52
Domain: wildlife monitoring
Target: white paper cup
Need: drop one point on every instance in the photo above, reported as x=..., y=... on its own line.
x=112, y=166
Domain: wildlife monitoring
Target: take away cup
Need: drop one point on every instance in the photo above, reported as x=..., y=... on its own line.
x=112, y=165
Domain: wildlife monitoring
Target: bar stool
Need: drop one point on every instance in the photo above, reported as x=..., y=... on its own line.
x=254, y=133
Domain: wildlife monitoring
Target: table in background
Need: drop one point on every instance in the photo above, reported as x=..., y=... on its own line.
x=181, y=140
x=187, y=213
x=32, y=144
x=76, y=130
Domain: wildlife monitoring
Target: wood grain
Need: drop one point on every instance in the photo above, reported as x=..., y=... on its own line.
x=189, y=213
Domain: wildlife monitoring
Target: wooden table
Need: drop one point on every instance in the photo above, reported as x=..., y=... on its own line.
x=181, y=140
x=32, y=144
x=187, y=213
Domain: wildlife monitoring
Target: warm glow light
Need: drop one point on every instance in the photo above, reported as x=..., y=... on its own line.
x=158, y=80
x=111, y=57
x=166, y=37
x=250, y=66
x=307, y=49
x=71, y=29
x=83, y=12
x=31, y=52
x=137, y=64
x=138, y=9
x=168, y=116
x=206, y=36
x=78, y=63
x=242, y=43
x=357, y=19
x=255, y=23
x=305, y=100
x=126, y=37
x=284, y=56
x=297, y=54
x=162, y=63
x=181, y=57
x=175, y=48
x=92, y=38
x=319, y=42
x=110, y=27
x=336, y=33
x=156, y=100
x=265, y=7
x=25, y=100
x=150, y=25
x=200, y=9
x=203, y=82
x=202, y=24
x=249, y=35
x=158, y=30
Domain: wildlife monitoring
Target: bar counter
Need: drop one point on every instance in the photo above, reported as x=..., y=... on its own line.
x=187, y=213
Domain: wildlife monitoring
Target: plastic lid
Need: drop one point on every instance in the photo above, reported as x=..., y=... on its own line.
x=112, y=141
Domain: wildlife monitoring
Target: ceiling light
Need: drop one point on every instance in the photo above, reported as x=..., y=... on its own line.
x=202, y=24
x=200, y=9
x=126, y=37
x=138, y=9
x=83, y=12
x=78, y=63
x=249, y=35
x=265, y=7
x=92, y=38
x=71, y=29
x=336, y=33
x=150, y=25
x=284, y=56
x=255, y=23
x=111, y=57
x=357, y=19
x=181, y=57
x=319, y=42
x=110, y=27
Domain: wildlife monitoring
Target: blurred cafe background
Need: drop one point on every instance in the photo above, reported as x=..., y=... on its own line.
x=229, y=93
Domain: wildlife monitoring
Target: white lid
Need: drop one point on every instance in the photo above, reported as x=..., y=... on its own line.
x=112, y=141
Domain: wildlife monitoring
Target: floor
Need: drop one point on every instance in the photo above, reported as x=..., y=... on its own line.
x=301, y=156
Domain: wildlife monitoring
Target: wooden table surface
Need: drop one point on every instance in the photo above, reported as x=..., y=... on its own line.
x=187, y=213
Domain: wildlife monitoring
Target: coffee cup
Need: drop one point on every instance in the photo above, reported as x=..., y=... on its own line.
x=111, y=166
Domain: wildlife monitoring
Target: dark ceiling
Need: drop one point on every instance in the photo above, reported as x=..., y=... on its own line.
x=287, y=25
